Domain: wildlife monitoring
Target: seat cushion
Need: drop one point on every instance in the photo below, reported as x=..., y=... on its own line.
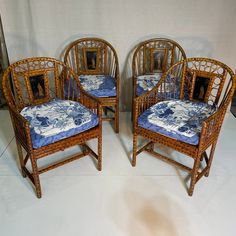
x=99, y=85
x=178, y=119
x=56, y=120
x=145, y=83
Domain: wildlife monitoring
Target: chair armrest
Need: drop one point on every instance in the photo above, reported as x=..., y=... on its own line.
x=211, y=128
x=144, y=101
x=21, y=129
x=168, y=87
x=92, y=103
x=80, y=95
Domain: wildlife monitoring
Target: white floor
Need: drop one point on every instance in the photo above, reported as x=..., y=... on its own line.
x=150, y=199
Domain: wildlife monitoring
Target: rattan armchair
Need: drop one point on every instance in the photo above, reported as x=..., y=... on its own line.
x=185, y=112
x=96, y=63
x=44, y=120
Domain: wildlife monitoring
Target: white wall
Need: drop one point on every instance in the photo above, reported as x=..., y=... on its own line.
x=44, y=27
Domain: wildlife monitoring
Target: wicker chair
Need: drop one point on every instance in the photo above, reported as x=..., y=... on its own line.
x=96, y=63
x=185, y=112
x=44, y=121
x=150, y=60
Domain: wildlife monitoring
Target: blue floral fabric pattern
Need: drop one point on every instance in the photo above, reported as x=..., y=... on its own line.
x=99, y=85
x=96, y=85
x=178, y=119
x=145, y=83
x=56, y=120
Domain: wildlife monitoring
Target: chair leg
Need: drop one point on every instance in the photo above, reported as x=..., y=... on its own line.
x=36, y=176
x=117, y=118
x=194, y=175
x=20, y=153
x=134, y=149
x=100, y=152
x=210, y=158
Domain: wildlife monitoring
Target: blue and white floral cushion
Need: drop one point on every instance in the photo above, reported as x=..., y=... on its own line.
x=56, y=120
x=145, y=83
x=178, y=119
x=99, y=85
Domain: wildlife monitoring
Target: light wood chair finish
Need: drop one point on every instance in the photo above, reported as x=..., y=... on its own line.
x=20, y=95
x=106, y=64
x=220, y=91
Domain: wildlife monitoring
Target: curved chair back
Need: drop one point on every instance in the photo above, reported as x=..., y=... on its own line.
x=201, y=79
x=92, y=56
x=156, y=55
x=34, y=81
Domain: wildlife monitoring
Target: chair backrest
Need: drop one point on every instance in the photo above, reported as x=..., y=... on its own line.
x=156, y=55
x=199, y=79
x=92, y=56
x=34, y=81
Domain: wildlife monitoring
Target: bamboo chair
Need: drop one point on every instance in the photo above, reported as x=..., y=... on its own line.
x=96, y=63
x=44, y=121
x=150, y=60
x=203, y=89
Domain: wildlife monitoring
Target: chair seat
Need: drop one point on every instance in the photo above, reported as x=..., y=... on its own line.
x=145, y=83
x=177, y=119
x=56, y=120
x=99, y=85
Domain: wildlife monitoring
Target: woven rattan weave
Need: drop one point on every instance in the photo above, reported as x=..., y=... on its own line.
x=221, y=85
x=20, y=95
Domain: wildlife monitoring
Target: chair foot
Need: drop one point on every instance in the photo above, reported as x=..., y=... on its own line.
x=99, y=166
x=133, y=163
x=36, y=176
x=38, y=190
x=207, y=174
x=190, y=193
x=134, y=149
x=23, y=174
x=117, y=126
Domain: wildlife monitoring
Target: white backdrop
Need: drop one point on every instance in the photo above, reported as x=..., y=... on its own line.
x=203, y=28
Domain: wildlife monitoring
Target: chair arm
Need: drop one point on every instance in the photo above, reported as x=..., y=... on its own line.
x=21, y=129
x=144, y=101
x=211, y=128
x=91, y=102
